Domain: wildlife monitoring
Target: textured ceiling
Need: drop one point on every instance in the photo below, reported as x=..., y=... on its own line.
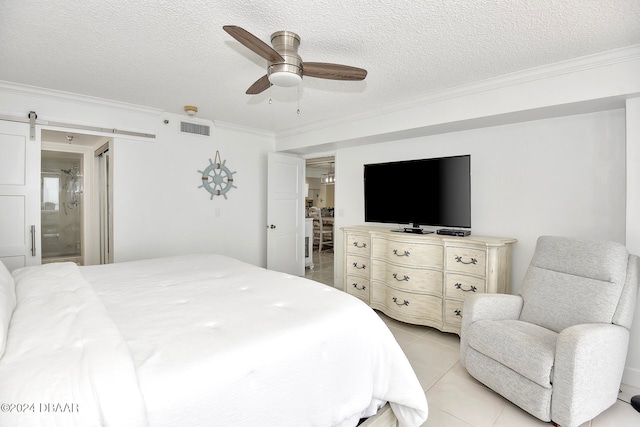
x=170, y=53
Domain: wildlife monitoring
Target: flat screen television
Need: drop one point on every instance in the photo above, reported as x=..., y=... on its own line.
x=426, y=192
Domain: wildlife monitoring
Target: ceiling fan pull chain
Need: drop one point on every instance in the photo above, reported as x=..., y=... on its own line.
x=298, y=99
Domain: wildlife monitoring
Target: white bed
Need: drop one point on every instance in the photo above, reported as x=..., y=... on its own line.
x=202, y=340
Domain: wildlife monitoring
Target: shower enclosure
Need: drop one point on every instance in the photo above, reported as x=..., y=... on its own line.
x=62, y=204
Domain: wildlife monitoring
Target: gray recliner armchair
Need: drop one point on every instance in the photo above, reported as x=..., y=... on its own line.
x=558, y=349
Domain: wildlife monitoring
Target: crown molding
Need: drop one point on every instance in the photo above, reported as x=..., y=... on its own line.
x=244, y=129
x=599, y=60
x=58, y=95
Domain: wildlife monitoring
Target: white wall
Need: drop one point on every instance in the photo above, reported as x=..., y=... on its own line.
x=159, y=209
x=559, y=176
x=632, y=373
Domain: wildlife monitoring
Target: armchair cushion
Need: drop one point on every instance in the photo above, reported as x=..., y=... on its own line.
x=525, y=348
x=573, y=281
x=558, y=301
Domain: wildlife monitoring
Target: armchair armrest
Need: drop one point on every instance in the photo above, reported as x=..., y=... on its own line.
x=490, y=307
x=588, y=370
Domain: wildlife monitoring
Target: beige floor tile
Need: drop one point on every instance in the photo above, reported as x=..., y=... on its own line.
x=621, y=414
x=439, y=418
x=512, y=416
x=465, y=400
x=627, y=392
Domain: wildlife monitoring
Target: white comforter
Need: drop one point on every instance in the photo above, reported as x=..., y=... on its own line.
x=214, y=342
x=65, y=364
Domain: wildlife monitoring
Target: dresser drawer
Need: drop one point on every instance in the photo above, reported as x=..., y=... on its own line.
x=358, y=286
x=458, y=286
x=406, y=306
x=407, y=278
x=358, y=265
x=453, y=313
x=466, y=260
x=359, y=244
x=423, y=279
x=408, y=253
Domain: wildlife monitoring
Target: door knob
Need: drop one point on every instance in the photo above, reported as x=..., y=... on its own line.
x=272, y=226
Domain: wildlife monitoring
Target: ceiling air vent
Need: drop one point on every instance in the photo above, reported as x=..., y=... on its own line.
x=195, y=128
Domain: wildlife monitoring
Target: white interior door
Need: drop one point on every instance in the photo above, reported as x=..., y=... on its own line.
x=285, y=214
x=19, y=195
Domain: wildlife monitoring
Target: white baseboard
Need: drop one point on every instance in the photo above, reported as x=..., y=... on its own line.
x=631, y=377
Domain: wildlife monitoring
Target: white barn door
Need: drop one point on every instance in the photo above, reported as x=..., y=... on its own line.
x=19, y=195
x=285, y=214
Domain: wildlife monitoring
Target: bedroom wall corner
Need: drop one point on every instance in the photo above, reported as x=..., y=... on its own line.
x=632, y=370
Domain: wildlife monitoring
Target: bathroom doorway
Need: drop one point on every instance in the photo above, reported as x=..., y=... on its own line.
x=62, y=203
x=70, y=202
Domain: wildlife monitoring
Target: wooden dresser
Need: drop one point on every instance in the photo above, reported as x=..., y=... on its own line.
x=423, y=278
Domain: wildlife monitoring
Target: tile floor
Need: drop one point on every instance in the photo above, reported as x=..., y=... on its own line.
x=455, y=398
x=322, y=270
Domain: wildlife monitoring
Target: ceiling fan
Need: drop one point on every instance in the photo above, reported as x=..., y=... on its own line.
x=286, y=68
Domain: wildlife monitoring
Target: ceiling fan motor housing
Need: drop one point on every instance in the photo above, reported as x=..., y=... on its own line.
x=289, y=72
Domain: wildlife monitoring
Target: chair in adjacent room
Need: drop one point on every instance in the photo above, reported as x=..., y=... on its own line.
x=558, y=349
x=322, y=233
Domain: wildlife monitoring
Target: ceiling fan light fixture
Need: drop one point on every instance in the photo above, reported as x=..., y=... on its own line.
x=285, y=78
x=289, y=72
x=286, y=74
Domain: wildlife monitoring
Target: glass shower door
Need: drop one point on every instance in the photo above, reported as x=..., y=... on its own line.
x=61, y=201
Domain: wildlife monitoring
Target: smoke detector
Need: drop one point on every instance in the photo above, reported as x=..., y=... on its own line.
x=191, y=109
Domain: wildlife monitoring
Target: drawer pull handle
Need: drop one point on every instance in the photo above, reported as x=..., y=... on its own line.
x=355, y=285
x=458, y=312
x=398, y=303
x=471, y=261
x=359, y=245
x=404, y=279
x=355, y=264
x=395, y=252
x=471, y=288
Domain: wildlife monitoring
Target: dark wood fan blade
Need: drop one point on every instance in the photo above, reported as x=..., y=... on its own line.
x=253, y=43
x=325, y=70
x=260, y=85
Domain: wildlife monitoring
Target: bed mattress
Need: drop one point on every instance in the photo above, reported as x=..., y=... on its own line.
x=210, y=340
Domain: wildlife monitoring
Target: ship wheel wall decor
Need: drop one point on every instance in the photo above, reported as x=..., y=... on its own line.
x=217, y=179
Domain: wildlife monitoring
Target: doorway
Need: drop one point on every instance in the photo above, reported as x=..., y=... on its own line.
x=70, y=209
x=62, y=203
x=320, y=207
